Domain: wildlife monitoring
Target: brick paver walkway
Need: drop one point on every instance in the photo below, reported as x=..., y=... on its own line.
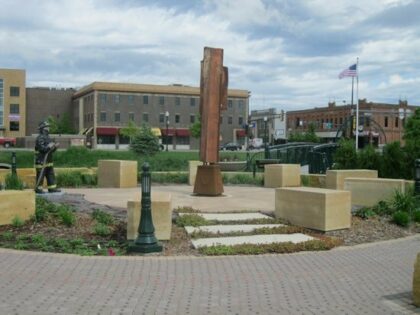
x=372, y=279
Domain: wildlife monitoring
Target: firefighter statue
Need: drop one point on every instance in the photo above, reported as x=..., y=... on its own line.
x=44, y=149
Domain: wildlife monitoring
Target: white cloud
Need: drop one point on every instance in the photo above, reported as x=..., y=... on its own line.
x=287, y=53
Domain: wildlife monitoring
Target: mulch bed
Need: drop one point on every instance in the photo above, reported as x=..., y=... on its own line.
x=362, y=230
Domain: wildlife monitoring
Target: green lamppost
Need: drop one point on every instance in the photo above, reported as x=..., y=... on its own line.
x=146, y=241
x=417, y=177
x=266, y=152
x=14, y=163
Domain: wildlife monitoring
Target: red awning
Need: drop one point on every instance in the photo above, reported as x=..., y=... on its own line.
x=106, y=131
x=182, y=132
x=240, y=132
x=179, y=132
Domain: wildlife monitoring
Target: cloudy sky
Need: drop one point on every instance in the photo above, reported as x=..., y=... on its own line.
x=288, y=53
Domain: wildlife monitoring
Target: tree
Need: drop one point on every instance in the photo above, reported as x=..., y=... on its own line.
x=145, y=142
x=345, y=157
x=308, y=136
x=393, y=161
x=130, y=131
x=412, y=139
x=62, y=125
x=195, y=128
x=368, y=158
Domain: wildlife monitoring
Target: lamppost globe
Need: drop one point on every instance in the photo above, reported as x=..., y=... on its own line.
x=167, y=128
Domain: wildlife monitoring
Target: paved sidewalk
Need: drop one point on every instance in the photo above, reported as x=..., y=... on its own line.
x=368, y=279
x=235, y=198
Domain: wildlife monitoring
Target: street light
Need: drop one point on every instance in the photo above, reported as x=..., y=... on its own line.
x=167, y=128
x=266, y=154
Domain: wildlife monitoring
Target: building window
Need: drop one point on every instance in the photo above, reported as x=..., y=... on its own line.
x=241, y=104
x=386, y=122
x=145, y=99
x=145, y=117
x=117, y=116
x=177, y=118
x=14, y=126
x=161, y=100
x=103, y=116
x=14, y=91
x=221, y=119
x=192, y=101
x=102, y=97
x=341, y=120
x=230, y=120
x=240, y=121
x=130, y=116
x=161, y=118
x=14, y=108
x=116, y=98
x=177, y=101
x=230, y=103
x=192, y=119
x=130, y=99
x=396, y=122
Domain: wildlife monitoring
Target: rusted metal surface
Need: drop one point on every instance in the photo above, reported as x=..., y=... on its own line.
x=213, y=99
x=208, y=181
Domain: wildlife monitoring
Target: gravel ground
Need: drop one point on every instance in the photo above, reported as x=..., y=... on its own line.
x=361, y=231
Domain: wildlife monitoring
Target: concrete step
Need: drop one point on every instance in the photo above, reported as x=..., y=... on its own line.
x=231, y=216
x=229, y=228
x=252, y=239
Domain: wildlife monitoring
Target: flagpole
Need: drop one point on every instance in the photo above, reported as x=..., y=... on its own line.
x=357, y=104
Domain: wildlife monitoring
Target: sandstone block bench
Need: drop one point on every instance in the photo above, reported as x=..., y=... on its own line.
x=314, y=208
x=369, y=191
x=335, y=178
x=161, y=216
x=20, y=203
x=117, y=174
x=281, y=175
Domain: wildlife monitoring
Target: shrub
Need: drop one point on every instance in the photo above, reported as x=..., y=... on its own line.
x=401, y=218
x=243, y=179
x=13, y=182
x=368, y=158
x=69, y=179
x=17, y=222
x=365, y=213
x=345, y=157
x=416, y=216
x=403, y=201
x=102, y=229
x=102, y=217
x=145, y=142
x=178, y=178
x=66, y=215
x=382, y=208
x=392, y=162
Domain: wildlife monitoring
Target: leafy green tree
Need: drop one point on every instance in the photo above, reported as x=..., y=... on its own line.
x=195, y=128
x=368, y=158
x=345, y=157
x=145, y=142
x=393, y=161
x=130, y=131
x=308, y=136
x=412, y=140
x=62, y=125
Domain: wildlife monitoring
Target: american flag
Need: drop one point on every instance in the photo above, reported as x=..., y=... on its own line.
x=349, y=72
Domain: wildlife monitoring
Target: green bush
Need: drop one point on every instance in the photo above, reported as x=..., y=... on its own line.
x=345, y=157
x=66, y=215
x=102, y=217
x=244, y=179
x=69, y=179
x=145, y=142
x=368, y=158
x=13, y=182
x=365, y=213
x=178, y=178
x=401, y=218
x=416, y=216
x=404, y=201
x=17, y=222
x=102, y=229
x=393, y=161
x=383, y=208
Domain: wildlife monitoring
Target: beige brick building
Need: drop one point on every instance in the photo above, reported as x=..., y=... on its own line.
x=12, y=103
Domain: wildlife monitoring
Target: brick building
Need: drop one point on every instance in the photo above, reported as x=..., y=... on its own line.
x=379, y=123
x=101, y=109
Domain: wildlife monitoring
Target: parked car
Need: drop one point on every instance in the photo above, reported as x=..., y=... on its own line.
x=231, y=146
x=7, y=142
